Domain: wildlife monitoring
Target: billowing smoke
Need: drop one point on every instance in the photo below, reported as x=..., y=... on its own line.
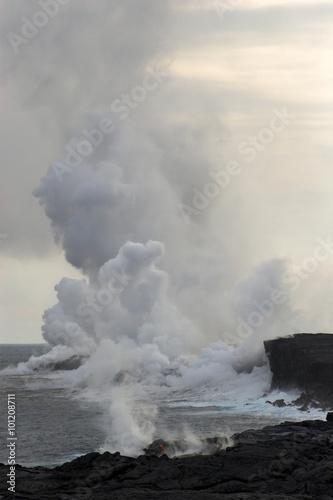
x=158, y=306
x=150, y=206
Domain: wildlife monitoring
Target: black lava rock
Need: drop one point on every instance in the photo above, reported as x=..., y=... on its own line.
x=293, y=460
x=303, y=361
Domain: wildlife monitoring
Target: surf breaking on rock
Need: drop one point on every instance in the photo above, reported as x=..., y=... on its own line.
x=160, y=301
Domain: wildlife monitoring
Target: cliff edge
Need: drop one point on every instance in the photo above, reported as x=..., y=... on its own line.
x=303, y=361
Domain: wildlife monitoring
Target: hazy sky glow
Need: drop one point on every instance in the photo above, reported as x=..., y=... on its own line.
x=226, y=80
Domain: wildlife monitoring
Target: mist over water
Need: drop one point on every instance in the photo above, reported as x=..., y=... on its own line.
x=169, y=312
x=160, y=312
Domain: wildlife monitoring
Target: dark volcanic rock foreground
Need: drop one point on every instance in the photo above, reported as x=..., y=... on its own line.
x=293, y=460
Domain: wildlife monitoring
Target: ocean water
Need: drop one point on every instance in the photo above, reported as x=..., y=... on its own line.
x=52, y=427
x=55, y=423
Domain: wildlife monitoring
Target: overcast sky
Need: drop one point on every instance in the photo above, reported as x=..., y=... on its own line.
x=245, y=81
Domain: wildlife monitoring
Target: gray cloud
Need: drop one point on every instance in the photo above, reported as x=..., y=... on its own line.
x=83, y=59
x=67, y=76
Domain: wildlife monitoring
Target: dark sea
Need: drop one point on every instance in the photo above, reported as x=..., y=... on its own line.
x=55, y=424
x=52, y=426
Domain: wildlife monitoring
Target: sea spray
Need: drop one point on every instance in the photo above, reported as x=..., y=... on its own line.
x=160, y=302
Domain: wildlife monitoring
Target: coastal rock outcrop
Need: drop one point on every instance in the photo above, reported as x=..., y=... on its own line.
x=303, y=361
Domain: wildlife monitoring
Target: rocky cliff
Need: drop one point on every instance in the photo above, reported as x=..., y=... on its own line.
x=303, y=361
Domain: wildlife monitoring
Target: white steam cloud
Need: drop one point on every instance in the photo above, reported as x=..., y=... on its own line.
x=157, y=306
x=163, y=304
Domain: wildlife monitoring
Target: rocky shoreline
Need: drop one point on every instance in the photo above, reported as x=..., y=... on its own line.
x=293, y=460
x=303, y=361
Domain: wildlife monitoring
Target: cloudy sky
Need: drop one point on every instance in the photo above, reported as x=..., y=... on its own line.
x=248, y=82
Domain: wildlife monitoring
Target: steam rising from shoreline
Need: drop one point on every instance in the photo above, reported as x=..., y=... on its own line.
x=164, y=305
x=157, y=307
